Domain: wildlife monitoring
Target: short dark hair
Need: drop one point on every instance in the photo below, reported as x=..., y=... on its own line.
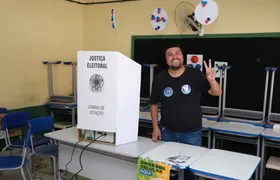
x=172, y=46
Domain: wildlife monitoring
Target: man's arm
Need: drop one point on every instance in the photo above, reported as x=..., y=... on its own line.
x=216, y=89
x=154, y=100
x=154, y=115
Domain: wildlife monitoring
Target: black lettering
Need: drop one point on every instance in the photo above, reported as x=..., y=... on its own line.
x=97, y=65
x=97, y=58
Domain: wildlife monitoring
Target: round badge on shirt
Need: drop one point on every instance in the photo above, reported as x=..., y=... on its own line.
x=186, y=89
x=168, y=91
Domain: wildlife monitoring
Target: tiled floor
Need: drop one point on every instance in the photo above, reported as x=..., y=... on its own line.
x=44, y=172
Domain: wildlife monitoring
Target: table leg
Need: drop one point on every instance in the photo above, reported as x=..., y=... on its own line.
x=209, y=138
x=181, y=175
x=258, y=154
x=214, y=141
x=262, y=173
x=258, y=146
x=73, y=116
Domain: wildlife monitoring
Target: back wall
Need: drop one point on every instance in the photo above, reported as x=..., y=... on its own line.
x=133, y=18
x=33, y=31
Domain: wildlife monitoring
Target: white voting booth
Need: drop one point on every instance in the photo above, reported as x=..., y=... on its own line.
x=108, y=96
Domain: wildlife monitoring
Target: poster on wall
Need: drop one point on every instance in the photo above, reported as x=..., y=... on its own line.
x=151, y=170
x=195, y=61
x=159, y=19
x=218, y=64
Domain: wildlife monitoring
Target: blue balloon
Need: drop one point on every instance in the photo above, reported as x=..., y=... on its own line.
x=198, y=66
x=203, y=2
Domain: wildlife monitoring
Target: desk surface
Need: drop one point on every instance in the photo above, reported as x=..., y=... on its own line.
x=225, y=164
x=171, y=149
x=237, y=128
x=207, y=123
x=134, y=149
x=270, y=133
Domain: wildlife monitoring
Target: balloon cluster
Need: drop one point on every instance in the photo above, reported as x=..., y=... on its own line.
x=113, y=18
x=204, y=3
x=158, y=18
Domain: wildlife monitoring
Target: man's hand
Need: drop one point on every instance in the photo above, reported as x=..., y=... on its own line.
x=210, y=72
x=156, y=134
x=211, y=75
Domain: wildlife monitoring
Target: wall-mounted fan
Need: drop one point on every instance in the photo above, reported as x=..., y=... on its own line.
x=185, y=18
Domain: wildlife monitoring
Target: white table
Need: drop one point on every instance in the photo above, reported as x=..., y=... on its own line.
x=221, y=164
x=241, y=129
x=121, y=161
x=206, y=125
x=272, y=134
x=240, y=132
x=270, y=138
x=171, y=149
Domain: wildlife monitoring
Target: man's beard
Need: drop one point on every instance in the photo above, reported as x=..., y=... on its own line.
x=176, y=67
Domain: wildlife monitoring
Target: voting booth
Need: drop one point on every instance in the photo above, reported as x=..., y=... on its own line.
x=108, y=97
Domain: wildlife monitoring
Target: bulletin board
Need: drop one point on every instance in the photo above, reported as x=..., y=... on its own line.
x=248, y=54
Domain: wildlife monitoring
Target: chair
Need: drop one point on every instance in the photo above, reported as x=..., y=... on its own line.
x=43, y=125
x=3, y=112
x=17, y=120
x=273, y=163
x=17, y=162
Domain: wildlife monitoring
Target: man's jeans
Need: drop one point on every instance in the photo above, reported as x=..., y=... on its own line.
x=192, y=138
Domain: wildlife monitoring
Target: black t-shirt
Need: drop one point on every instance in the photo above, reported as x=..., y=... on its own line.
x=180, y=99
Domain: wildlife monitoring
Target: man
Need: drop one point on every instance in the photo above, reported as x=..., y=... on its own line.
x=178, y=90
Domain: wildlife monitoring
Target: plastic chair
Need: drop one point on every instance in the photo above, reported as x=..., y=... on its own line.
x=273, y=163
x=17, y=120
x=3, y=111
x=43, y=125
x=17, y=162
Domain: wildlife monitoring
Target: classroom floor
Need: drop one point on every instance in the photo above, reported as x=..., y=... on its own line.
x=43, y=172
